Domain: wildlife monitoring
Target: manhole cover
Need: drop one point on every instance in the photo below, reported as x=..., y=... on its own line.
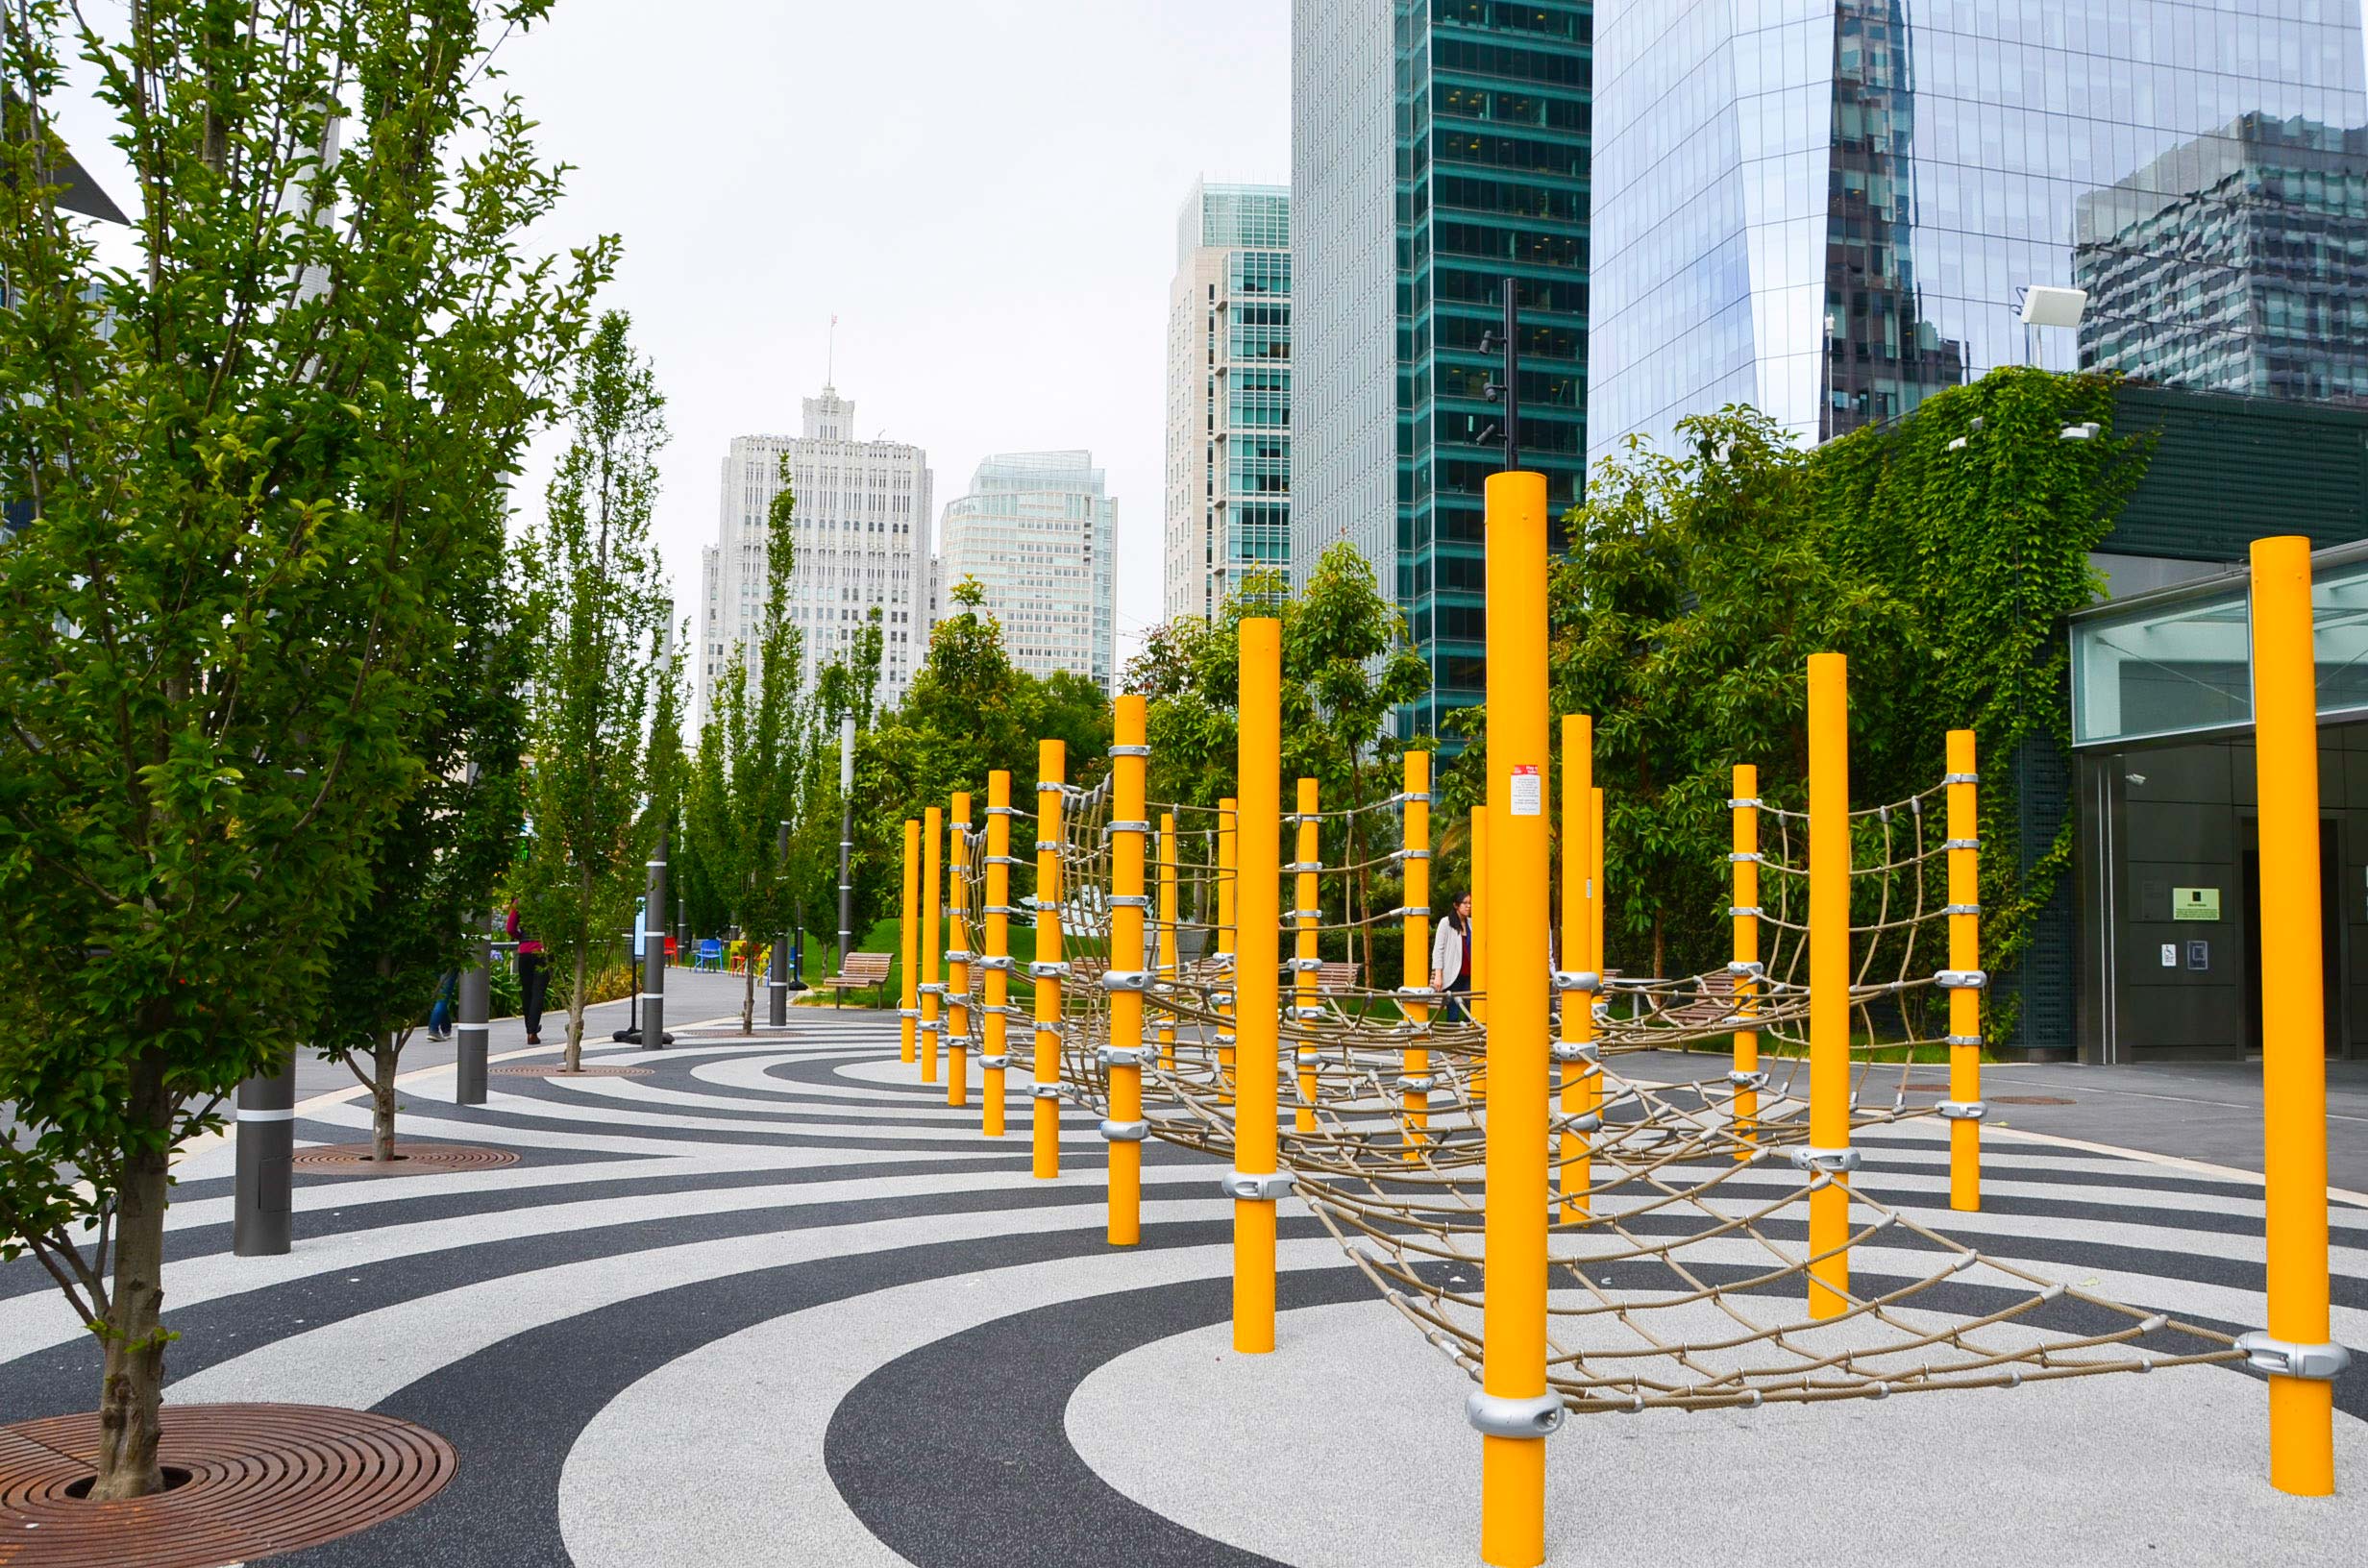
x=411, y=1160
x=551, y=1070
x=261, y=1479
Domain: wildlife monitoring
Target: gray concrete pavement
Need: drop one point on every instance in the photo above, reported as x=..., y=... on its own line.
x=2209, y=1112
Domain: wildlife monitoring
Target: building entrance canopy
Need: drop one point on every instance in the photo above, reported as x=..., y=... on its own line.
x=2173, y=663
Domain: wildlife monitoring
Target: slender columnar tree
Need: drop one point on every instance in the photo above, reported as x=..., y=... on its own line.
x=241, y=466
x=599, y=613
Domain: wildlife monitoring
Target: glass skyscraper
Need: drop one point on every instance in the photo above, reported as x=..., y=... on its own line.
x=1438, y=148
x=1228, y=482
x=1829, y=209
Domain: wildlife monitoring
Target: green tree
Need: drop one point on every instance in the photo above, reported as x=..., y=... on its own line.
x=433, y=869
x=249, y=459
x=598, y=603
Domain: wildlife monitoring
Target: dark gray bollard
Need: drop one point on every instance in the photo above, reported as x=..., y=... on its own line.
x=261, y=1226
x=473, y=1030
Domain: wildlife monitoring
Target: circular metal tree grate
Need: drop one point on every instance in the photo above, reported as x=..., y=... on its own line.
x=248, y=1479
x=546, y=1070
x=411, y=1159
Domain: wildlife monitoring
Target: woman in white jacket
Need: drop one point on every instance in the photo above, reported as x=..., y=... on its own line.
x=1451, y=958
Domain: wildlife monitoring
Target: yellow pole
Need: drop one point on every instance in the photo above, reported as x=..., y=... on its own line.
x=1415, y=1085
x=1228, y=816
x=1828, y=1156
x=1481, y=924
x=1745, y=1075
x=908, y=934
x=1125, y=978
x=932, y=978
x=1598, y=893
x=1304, y=957
x=1254, y=1181
x=1964, y=1107
x=957, y=955
x=2296, y=1350
x=1168, y=967
x=1513, y=1408
x=996, y=1056
x=1048, y=970
x=1582, y=1087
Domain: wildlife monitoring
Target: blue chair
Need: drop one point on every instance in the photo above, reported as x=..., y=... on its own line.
x=710, y=955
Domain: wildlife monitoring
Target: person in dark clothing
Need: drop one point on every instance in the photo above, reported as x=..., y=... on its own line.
x=440, y=1011
x=533, y=976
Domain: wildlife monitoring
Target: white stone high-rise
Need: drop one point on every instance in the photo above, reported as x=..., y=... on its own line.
x=862, y=524
x=1039, y=532
x=1228, y=395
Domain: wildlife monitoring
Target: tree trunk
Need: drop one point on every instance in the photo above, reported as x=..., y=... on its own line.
x=748, y=997
x=382, y=1097
x=1661, y=950
x=132, y=1385
x=575, y=1015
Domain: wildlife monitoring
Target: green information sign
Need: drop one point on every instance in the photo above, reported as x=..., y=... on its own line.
x=2195, y=903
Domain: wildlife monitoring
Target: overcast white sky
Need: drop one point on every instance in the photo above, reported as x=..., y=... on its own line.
x=984, y=191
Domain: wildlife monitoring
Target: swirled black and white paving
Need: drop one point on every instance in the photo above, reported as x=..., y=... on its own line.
x=776, y=1302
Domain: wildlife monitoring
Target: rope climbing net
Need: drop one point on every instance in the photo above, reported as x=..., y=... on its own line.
x=1681, y=1272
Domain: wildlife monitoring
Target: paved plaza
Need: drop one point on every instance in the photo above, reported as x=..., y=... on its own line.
x=773, y=1302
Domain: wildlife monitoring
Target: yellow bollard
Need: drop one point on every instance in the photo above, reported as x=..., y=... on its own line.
x=1168, y=967
x=995, y=1057
x=1228, y=816
x=932, y=978
x=958, y=956
x=908, y=934
x=1598, y=893
x=1480, y=923
x=1829, y=1157
x=1048, y=970
x=1305, y=959
x=1254, y=1181
x=2297, y=1349
x=1414, y=1000
x=1513, y=1408
x=1124, y=979
x=1964, y=1107
x=1581, y=1081
x=1745, y=1075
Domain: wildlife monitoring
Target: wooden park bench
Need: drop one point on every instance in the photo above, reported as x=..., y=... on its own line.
x=860, y=970
x=1337, y=976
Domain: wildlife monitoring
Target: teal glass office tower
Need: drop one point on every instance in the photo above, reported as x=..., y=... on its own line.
x=1438, y=148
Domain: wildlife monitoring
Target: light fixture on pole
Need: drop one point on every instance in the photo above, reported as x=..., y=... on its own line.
x=2047, y=306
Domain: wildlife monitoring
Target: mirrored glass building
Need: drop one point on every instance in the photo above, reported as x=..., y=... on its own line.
x=1829, y=209
x=1438, y=148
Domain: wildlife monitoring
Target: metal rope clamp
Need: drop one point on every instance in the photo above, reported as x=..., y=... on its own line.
x=1002, y=811
x=1961, y=1040
x=1309, y=1014
x=1742, y=855
x=1586, y=1121
x=1256, y=1187
x=906, y=1011
x=1961, y=1110
x=1120, y=1056
x=1738, y=802
x=1410, y=855
x=1418, y=994
x=1960, y=778
x=994, y=1063
x=1044, y=1091
x=1961, y=979
x=999, y=961
x=1129, y=900
x=1745, y=968
x=2284, y=1359
x=1573, y=1050
x=1134, y=980
x=1585, y=981
x=1740, y=911
x=931, y=987
x=1493, y=1415
x=1131, y=751
x=1414, y=1084
x=1303, y=965
x=1748, y=1080
x=932, y=1026
x=1049, y=846
x=1048, y=786
x=1126, y=827
x=958, y=955
x=1048, y=970
x=1052, y=1029
x=1960, y=843
x=1124, y=1131
x=1823, y=1162
x=1961, y=909
x=1410, y=910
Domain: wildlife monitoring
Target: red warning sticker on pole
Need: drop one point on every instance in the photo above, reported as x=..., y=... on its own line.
x=1528, y=791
